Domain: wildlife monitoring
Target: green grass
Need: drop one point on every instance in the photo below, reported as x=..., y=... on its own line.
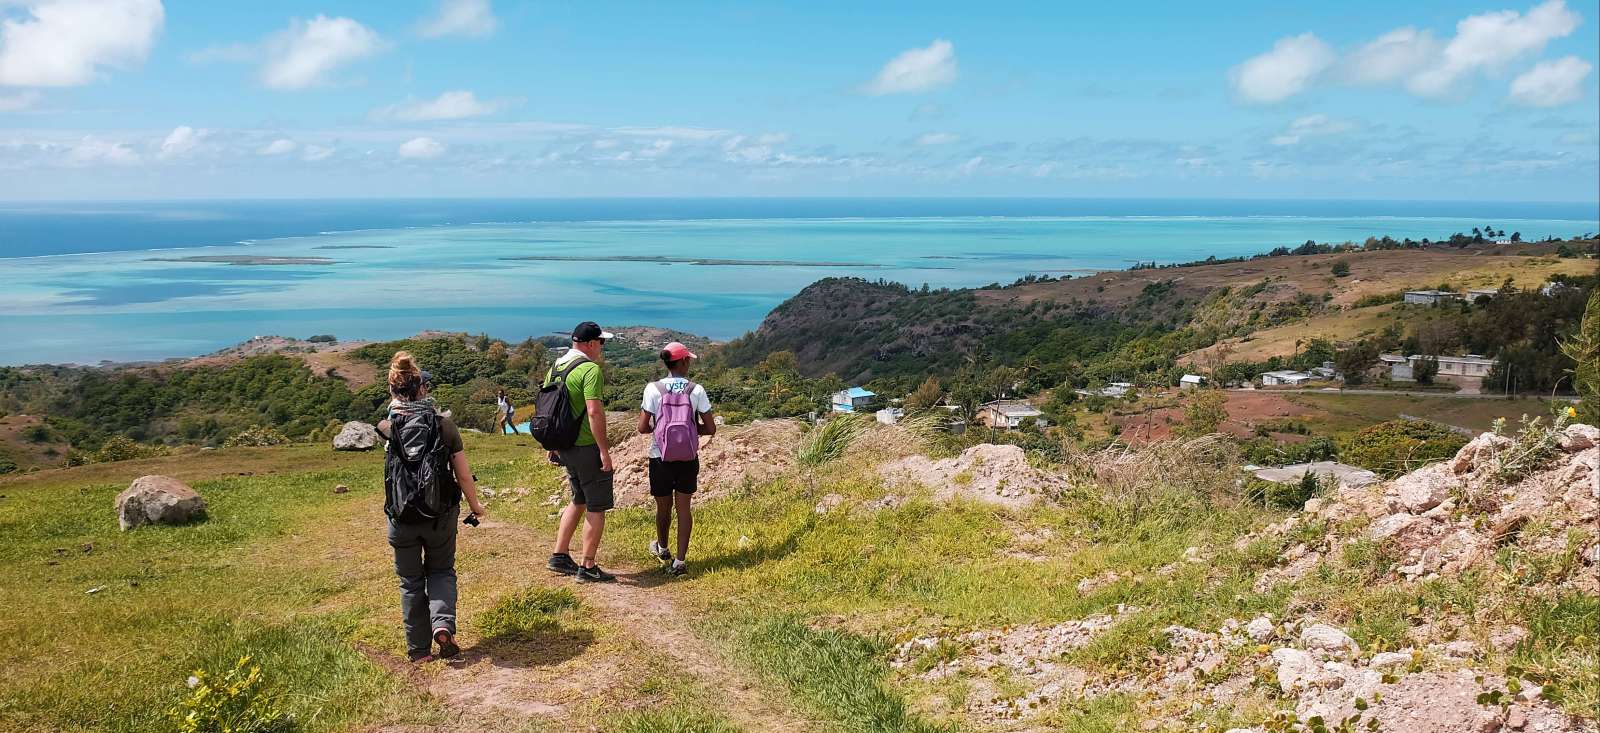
x=841, y=675
x=526, y=613
x=678, y=719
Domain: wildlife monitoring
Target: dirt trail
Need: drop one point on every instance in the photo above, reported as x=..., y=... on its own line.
x=498, y=685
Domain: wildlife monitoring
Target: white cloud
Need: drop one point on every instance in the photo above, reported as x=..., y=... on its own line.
x=314, y=153
x=1491, y=40
x=421, y=148
x=67, y=42
x=1291, y=66
x=305, y=53
x=281, y=146
x=1551, y=83
x=455, y=105
x=916, y=70
x=1390, y=57
x=1318, y=125
x=773, y=138
x=20, y=101
x=471, y=18
x=937, y=138
x=181, y=141
x=91, y=150
x=971, y=166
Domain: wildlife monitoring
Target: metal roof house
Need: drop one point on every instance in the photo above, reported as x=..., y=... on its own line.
x=853, y=399
x=1191, y=381
x=1008, y=415
x=1284, y=377
x=1430, y=297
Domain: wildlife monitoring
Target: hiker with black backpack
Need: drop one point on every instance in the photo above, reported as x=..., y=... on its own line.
x=425, y=474
x=675, y=413
x=569, y=420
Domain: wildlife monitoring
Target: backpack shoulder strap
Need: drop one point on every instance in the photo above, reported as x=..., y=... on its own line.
x=561, y=374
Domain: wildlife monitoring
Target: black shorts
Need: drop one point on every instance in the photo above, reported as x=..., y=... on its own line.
x=669, y=476
x=591, y=486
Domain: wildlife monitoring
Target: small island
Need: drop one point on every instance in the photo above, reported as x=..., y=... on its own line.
x=247, y=260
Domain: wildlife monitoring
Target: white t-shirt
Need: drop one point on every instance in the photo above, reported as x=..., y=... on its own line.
x=676, y=385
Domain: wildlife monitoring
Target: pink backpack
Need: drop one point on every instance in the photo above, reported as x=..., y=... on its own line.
x=677, y=433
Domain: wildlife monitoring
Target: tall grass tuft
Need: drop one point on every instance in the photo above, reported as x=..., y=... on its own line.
x=1170, y=478
x=829, y=441
x=526, y=612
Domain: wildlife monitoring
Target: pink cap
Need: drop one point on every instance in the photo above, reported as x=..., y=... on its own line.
x=678, y=352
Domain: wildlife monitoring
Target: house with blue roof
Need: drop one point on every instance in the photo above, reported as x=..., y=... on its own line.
x=854, y=399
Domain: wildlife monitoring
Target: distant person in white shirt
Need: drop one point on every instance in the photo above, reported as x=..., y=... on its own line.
x=675, y=413
x=508, y=414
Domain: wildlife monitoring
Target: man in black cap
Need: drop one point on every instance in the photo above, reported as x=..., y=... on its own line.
x=588, y=462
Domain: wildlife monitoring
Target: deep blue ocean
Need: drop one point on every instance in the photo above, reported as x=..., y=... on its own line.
x=92, y=281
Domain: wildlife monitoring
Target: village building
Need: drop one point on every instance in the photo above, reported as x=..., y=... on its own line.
x=852, y=400
x=1191, y=381
x=889, y=415
x=1342, y=473
x=1466, y=372
x=1009, y=414
x=1430, y=297
x=1284, y=378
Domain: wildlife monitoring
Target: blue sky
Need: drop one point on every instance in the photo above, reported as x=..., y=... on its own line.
x=1425, y=100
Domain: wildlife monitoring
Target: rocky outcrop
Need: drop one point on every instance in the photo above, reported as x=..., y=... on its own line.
x=356, y=435
x=158, y=500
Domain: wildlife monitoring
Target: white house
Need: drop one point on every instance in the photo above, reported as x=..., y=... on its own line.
x=1007, y=414
x=852, y=399
x=1191, y=381
x=1430, y=297
x=1467, y=372
x=889, y=415
x=1284, y=377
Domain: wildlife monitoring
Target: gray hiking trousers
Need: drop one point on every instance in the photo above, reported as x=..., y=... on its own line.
x=425, y=560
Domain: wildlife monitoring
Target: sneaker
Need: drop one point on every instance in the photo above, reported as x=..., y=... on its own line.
x=679, y=567
x=594, y=574
x=561, y=562
x=419, y=657
x=660, y=552
x=447, y=643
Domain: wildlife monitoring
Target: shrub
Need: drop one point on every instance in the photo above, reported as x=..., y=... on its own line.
x=1293, y=495
x=235, y=702
x=322, y=338
x=1397, y=446
x=527, y=612
x=122, y=448
x=7, y=465
x=1341, y=269
x=257, y=436
x=1425, y=370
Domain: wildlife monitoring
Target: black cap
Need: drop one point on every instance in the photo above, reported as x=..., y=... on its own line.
x=427, y=377
x=589, y=331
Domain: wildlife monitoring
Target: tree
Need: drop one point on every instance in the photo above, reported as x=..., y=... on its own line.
x=1584, y=350
x=1341, y=269
x=1425, y=370
x=1356, y=360
x=1204, y=413
x=1516, y=236
x=925, y=397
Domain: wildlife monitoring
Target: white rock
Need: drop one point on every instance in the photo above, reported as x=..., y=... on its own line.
x=1390, y=526
x=1479, y=453
x=1296, y=669
x=1577, y=437
x=1461, y=649
x=1323, y=637
x=356, y=435
x=1259, y=629
x=158, y=500
x=1385, y=660
x=1313, y=505
x=829, y=503
x=1424, y=488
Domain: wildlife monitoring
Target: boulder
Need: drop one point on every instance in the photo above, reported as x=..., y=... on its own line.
x=1387, y=660
x=1479, y=452
x=1322, y=637
x=1424, y=488
x=1390, y=526
x=158, y=500
x=1296, y=669
x=1259, y=629
x=1579, y=437
x=356, y=435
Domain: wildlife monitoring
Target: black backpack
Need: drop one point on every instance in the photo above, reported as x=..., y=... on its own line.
x=553, y=423
x=419, y=485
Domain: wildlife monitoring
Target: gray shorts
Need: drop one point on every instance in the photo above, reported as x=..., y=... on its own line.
x=591, y=487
